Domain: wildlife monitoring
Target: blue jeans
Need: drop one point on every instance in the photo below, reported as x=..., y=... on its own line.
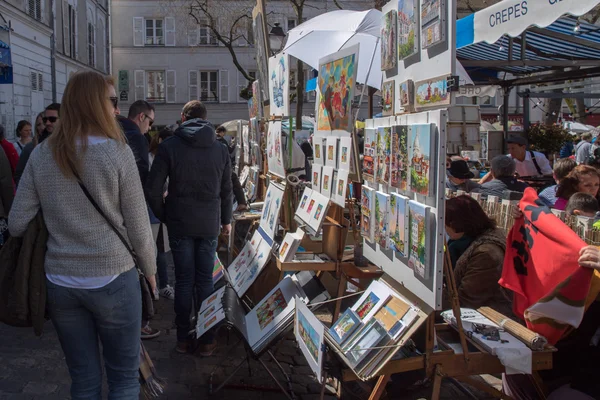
x=110, y=315
x=162, y=270
x=194, y=260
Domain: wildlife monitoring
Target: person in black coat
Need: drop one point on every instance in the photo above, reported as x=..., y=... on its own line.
x=198, y=204
x=135, y=126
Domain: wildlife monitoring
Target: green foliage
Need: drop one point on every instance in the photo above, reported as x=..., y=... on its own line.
x=405, y=50
x=547, y=139
x=419, y=183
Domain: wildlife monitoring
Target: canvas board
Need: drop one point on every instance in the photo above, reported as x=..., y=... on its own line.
x=408, y=29
x=387, y=98
x=279, y=83
x=275, y=156
x=389, y=50
x=382, y=205
x=419, y=240
x=309, y=333
x=369, y=154
x=422, y=158
x=269, y=220
x=432, y=93
x=432, y=22
x=399, y=224
x=340, y=188
x=399, y=163
x=336, y=81
x=367, y=213
x=384, y=154
x=406, y=97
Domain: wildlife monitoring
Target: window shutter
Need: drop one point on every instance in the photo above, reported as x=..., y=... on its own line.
x=193, y=85
x=34, y=81
x=224, y=86
x=169, y=31
x=139, y=85
x=40, y=78
x=138, y=31
x=66, y=31
x=171, y=85
x=194, y=36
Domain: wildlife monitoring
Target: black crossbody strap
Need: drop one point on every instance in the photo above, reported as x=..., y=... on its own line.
x=539, y=170
x=97, y=207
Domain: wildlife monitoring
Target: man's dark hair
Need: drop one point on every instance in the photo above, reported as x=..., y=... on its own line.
x=221, y=129
x=194, y=109
x=53, y=107
x=583, y=202
x=138, y=107
x=562, y=167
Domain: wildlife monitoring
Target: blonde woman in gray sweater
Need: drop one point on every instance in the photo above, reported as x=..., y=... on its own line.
x=93, y=288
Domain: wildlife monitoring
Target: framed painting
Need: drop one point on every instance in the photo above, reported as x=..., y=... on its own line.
x=387, y=98
x=279, y=85
x=336, y=81
x=408, y=33
x=432, y=93
x=389, y=50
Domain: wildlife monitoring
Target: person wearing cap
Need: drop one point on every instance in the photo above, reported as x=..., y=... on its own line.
x=503, y=171
x=528, y=162
x=459, y=177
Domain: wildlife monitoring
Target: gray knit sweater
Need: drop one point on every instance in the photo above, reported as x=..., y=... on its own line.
x=81, y=243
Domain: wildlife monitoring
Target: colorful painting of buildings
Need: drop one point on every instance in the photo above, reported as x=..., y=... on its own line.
x=432, y=93
x=420, y=159
x=407, y=28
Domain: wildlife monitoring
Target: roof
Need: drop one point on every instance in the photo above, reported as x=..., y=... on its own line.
x=559, y=45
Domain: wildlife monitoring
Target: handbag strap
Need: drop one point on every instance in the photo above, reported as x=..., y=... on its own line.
x=97, y=207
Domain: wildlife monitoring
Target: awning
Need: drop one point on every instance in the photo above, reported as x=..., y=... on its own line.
x=512, y=17
x=5, y=58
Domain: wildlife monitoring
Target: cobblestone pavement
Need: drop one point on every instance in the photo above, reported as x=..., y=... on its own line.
x=34, y=368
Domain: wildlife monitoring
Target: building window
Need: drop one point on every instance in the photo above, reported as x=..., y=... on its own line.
x=209, y=86
x=244, y=83
x=37, y=82
x=69, y=14
x=205, y=34
x=91, y=45
x=154, y=32
x=35, y=9
x=155, y=86
x=291, y=23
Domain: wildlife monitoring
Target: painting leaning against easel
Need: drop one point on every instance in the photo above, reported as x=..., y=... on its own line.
x=279, y=77
x=408, y=34
x=389, y=55
x=432, y=93
x=337, y=78
x=387, y=97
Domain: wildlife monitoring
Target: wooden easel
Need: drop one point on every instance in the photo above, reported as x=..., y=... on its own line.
x=447, y=363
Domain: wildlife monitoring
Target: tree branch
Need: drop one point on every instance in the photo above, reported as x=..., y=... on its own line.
x=337, y=4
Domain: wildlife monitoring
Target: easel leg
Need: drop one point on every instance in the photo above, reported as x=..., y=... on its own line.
x=292, y=397
x=323, y=385
x=437, y=382
x=340, y=293
x=379, y=387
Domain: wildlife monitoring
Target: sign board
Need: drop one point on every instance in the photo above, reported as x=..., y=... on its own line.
x=123, y=81
x=124, y=95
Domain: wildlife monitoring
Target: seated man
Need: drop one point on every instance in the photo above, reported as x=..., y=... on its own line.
x=562, y=167
x=459, y=177
x=503, y=171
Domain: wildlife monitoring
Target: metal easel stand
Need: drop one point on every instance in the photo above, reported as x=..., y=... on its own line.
x=247, y=360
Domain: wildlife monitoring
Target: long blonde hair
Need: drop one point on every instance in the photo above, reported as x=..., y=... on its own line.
x=85, y=110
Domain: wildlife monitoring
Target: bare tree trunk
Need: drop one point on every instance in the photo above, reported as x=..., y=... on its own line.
x=299, y=7
x=581, y=113
x=553, y=109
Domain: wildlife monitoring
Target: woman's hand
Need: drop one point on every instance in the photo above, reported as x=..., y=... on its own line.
x=516, y=212
x=589, y=257
x=152, y=282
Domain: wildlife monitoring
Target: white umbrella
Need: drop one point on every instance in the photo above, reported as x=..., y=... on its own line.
x=232, y=126
x=486, y=126
x=337, y=30
x=575, y=127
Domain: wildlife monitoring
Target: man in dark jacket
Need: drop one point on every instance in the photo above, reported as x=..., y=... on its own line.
x=135, y=126
x=50, y=119
x=198, y=204
x=503, y=171
x=238, y=191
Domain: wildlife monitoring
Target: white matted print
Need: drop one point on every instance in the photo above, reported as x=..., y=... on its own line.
x=317, y=211
x=309, y=333
x=341, y=187
x=269, y=219
x=290, y=245
x=326, y=181
x=274, y=149
x=279, y=78
x=318, y=150
x=203, y=325
x=316, y=177
x=331, y=153
x=303, y=206
x=345, y=153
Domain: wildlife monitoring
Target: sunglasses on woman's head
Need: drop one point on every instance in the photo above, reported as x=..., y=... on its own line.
x=114, y=101
x=51, y=119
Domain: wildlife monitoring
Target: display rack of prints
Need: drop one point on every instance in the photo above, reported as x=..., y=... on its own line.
x=384, y=154
x=345, y=153
x=340, y=188
x=269, y=220
x=345, y=326
x=432, y=93
x=279, y=78
x=389, y=50
x=382, y=205
x=408, y=30
x=370, y=155
x=387, y=97
x=399, y=165
x=399, y=224
x=367, y=215
x=432, y=22
x=309, y=333
x=327, y=181
x=275, y=156
x=422, y=158
x=419, y=239
x=331, y=151
x=336, y=81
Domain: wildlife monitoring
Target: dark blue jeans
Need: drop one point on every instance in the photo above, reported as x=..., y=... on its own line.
x=194, y=260
x=110, y=315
